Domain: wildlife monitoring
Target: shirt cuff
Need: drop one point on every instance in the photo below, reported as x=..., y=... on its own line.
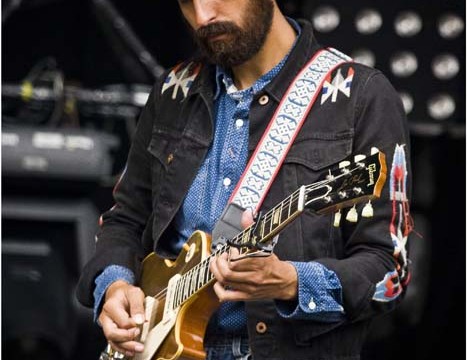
x=319, y=295
x=110, y=274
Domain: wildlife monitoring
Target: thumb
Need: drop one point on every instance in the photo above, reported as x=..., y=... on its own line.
x=135, y=298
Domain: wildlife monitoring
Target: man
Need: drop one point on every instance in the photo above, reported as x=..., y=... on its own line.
x=314, y=296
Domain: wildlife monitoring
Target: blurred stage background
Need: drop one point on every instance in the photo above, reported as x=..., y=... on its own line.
x=75, y=75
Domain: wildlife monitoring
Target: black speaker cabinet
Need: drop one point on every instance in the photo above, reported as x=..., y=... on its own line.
x=44, y=246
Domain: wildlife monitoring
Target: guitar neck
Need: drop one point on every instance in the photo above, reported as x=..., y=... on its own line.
x=347, y=186
x=262, y=231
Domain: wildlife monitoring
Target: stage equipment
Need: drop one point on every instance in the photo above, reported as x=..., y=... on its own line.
x=419, y=46
x=56, y=154
x=45, y=244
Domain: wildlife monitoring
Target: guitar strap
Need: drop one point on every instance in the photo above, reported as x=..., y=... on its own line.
x=276, y=141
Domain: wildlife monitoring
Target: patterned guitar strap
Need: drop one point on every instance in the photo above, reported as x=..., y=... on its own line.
x=277, y=139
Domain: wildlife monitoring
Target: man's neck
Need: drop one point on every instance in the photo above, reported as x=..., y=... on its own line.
x=278, y=43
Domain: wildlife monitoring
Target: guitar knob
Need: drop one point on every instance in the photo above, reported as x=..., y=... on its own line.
x=374, y=150
x=342, y=194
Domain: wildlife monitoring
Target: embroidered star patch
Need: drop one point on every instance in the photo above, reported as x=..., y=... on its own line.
x=389, y=288
x=401, y=221
x=331, y=88
x=181, y=78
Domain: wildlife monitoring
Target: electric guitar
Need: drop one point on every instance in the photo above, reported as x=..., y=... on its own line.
x=179, y=295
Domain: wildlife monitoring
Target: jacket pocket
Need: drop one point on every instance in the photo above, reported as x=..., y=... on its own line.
x=321, y=150
x=163, y=147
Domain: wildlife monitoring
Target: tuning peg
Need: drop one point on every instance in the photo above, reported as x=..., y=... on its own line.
x=374, y=150
x=359, y=157
x=344, y=164
x=367, y=211
x=357, y=190
x=337, y=218
x=352, y=215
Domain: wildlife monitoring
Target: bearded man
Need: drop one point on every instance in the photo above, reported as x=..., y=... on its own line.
x=224, y=138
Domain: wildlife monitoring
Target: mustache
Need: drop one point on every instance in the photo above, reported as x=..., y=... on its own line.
x=216, y=29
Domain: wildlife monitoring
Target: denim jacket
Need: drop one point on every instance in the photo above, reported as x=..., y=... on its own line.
x=174, y=132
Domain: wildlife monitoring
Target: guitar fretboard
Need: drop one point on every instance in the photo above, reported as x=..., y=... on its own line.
x=265, y=228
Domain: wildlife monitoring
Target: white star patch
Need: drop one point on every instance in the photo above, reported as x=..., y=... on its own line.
x=181, y=78
x=332, y=88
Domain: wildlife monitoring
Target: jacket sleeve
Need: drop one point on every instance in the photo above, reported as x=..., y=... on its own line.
x=374, y=271
x=118, y=240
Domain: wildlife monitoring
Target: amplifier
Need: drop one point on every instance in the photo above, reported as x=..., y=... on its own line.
x=57, y=154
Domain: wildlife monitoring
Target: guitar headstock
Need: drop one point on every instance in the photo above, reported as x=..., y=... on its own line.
x=352, y=182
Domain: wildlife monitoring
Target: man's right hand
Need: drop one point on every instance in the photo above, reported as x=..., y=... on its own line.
x=122, y=316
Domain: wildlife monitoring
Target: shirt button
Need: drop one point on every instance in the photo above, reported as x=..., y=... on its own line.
x=227, y=182
x=239, y=123
x=312, y=305
x=261, y=327
x=263, y=100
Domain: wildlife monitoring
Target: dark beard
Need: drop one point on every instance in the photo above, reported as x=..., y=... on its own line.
x=240, y=44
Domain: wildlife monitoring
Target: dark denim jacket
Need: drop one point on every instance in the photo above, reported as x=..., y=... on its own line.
x=171, y=140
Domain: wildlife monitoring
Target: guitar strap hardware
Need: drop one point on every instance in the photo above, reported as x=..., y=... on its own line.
x=277, y=139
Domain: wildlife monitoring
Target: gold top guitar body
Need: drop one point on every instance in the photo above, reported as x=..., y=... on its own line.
x=188, y=322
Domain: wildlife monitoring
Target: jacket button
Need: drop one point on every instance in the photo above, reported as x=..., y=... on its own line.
x=261, y=327
x=170, y=158
x=263, y=100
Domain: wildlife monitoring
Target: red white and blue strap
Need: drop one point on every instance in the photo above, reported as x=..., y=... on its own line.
x=283, y=129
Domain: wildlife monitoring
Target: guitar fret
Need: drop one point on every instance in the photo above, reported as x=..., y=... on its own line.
x=186, y=289
x=269, y=217
x=190, y=283
x=202, y=269
x=182, y=287
x=246, y=236
x=186, y=285
x=289, y=208
x=180, y=290
x=177, y=291
x=194, y=289
x=276, y=216
x=206, y=273
x=281, y=212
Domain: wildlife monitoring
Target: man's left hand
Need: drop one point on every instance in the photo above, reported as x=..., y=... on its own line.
x=253, y=278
